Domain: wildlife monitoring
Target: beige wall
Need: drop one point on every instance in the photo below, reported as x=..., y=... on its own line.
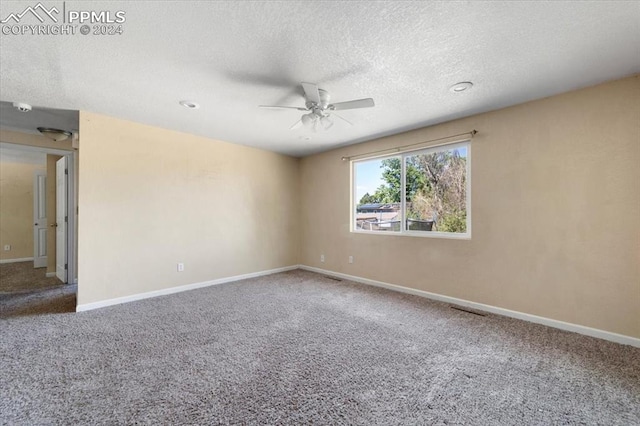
x=51, y=211
x=555, y=212
x=150, y=198
x=16, y=209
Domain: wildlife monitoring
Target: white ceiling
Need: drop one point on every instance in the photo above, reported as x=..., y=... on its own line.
x=232, y=56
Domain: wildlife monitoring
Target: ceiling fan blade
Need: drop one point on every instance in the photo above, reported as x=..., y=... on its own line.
x=296, y=125
x=342, y=118
x=360, y=103
x=285, y=107
x=311, y=92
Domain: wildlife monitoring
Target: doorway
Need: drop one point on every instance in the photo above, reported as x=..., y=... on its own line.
x=38, y=260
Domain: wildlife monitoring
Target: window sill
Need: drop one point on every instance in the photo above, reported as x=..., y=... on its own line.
x=424, y=234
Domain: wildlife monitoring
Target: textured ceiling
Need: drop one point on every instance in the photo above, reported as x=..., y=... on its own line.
x=232, y=56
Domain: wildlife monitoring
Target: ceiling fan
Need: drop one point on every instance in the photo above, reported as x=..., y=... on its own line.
x=319, y=110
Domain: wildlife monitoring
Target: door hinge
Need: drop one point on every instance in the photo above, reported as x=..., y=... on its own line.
x=65, y=266
x=66, y=218
x=66, y=171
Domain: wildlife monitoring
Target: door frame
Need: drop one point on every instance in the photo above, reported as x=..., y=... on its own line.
x=72, y=202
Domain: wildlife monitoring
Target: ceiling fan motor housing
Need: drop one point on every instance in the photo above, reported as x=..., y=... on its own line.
x=324, y=101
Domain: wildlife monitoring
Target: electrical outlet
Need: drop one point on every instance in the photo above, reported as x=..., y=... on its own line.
x=7, y=248
x=350, y=259
x=181, y=267
x=322, y=258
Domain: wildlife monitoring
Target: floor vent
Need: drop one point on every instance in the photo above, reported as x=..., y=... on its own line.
x=469, y=311
x=332, y=278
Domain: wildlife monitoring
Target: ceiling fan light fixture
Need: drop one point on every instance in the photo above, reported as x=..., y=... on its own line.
x=55, y=135
x=319, y=109
x=326, y=122
x=309, y=119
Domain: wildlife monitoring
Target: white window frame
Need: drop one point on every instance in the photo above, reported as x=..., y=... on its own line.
x=403, y=221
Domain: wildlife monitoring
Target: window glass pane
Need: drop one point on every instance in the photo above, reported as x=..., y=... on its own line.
x=436, y=190
x=377, y=195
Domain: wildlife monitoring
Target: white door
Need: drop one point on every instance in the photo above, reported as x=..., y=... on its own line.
x=61, y=219
x=40, y=219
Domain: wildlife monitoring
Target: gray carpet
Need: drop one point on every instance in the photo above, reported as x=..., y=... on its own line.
x=298, y=348
x=21, y=277
x=56, y=300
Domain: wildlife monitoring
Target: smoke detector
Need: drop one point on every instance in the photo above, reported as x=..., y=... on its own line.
x=22, y=107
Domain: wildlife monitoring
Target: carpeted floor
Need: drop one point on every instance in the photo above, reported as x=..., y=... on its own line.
x=55, y=300
x=23, y=277
x=297, y=348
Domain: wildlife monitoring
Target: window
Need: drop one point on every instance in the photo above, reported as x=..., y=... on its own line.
x=435, y=182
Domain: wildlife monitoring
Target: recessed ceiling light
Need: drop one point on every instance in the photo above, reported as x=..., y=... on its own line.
x=461, y=87
x=189, y=104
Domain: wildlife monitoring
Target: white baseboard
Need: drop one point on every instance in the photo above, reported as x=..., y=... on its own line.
x=51, y=274
x=588, y=331
x=23, y=259
x=172, y=290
